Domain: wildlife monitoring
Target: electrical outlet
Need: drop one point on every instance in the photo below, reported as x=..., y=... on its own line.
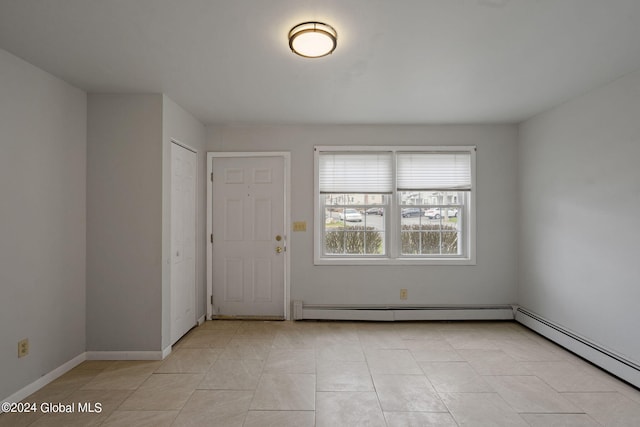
x=403, y=294
x=23, y=347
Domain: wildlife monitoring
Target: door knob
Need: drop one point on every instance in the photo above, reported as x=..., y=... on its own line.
x=278, y=249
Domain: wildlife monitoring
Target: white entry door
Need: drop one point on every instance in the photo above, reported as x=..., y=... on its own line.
x=183, y=241
x=248, y=228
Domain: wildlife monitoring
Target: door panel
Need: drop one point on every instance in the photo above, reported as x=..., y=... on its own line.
x=234, y=280
x=262, y=285
x=233, y=220
x=262, y=220
x=248, y=214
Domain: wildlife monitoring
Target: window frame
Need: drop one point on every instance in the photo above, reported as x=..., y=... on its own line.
x=393, y=214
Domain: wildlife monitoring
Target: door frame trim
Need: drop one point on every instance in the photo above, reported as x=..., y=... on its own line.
x=286, y=157
x=183, y=145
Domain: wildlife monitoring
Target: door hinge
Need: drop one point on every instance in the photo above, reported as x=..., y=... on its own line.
x=211, y=298
x=211, y=237
x=211, y=176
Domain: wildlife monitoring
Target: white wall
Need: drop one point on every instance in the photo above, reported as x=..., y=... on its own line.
x=178, y=124
x=124, y=222
x=491, y=281
x=42, y=222
x=579, y=186
x=129, y=196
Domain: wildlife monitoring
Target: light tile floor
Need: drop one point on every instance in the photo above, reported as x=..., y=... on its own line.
x=242, y=373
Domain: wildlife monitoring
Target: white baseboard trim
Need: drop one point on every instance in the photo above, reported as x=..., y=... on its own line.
x=201, y=320
x=128, y=355
x=346, y=314
x=403, y=313
x=166, y=352
x=45, y=379
x=597, y=354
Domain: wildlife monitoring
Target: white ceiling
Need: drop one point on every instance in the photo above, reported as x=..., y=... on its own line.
x=397, y=61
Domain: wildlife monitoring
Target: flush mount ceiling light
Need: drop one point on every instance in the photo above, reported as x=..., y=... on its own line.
x=313, y=39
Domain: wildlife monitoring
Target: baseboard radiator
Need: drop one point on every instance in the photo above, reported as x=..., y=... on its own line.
x=391, y=313
x=610, y=361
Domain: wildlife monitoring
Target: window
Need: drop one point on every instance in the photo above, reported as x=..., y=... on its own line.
x=394, y=205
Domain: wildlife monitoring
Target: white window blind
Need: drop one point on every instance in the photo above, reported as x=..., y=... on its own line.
x=434, y=171
x=348, y=172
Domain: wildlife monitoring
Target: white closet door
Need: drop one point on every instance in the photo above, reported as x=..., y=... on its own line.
x=183, y=241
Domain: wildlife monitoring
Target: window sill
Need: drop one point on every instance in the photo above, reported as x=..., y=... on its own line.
x=395, y=261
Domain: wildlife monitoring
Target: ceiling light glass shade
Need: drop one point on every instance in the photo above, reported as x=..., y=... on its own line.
x=313, y=39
